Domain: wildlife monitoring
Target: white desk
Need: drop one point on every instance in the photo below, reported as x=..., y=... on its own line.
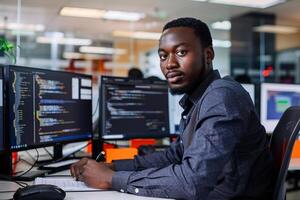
x=97, y=195
x=294, y=164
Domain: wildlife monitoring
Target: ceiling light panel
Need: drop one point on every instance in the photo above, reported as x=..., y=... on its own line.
x=221, y=25
x=101, y=50
x=137, y=35
x=23, y=27
x=249, y=3
x=63, y=41
x=104, y=14
x=82, y=12
x=276, y=29
x=125, y=16
x=222, y=43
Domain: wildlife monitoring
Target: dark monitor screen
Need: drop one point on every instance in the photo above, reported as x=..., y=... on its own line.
x=47, y=107
x=133, y=108
x=1, y=111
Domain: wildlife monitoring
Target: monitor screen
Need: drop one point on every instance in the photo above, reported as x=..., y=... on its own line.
x=47, y=107
x=275, y=99
x=250, y=88
x=175, y=111
x=133, y=108
x=1, y=111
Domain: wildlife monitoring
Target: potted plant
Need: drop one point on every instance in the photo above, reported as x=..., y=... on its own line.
x=8, y=49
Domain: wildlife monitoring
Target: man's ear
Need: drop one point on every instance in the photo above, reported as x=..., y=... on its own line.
x=209, y=55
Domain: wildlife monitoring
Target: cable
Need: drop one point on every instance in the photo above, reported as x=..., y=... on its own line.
x=48, y=152
x=32, y=157
x=10, y=178
x=37, y=158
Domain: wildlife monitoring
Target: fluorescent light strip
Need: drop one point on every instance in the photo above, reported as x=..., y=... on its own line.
x=101, y=50
x=66, y=41
x=82, y=12
x=221, y=25
x=276, y=29
x=94, y=13
x=126, y=16
x=249, y=3
x=23, y=27
x=74, y=55
x=222, y=43
x=137, y=35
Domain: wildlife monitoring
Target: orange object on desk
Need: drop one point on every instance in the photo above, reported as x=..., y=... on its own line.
x=120, y=153
x=136, y=143
x=296, y=149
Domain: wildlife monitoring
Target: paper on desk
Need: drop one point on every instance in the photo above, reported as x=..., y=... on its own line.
x=66, y=183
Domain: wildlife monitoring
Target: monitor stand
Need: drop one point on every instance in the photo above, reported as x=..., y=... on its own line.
x=58, y=162
x=57, y=155
x=8, y=174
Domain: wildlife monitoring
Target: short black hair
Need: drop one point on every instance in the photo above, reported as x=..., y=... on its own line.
x=201, y=29
x=135, y=73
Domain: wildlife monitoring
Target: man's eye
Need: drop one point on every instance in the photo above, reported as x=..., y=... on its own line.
x=163, y=57
x=181, y=53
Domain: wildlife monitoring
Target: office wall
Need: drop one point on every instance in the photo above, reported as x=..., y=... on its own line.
x=287, y=41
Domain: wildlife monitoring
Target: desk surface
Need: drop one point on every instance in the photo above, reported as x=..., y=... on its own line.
x=103, y=195
x=294, y=164
x=95, y=195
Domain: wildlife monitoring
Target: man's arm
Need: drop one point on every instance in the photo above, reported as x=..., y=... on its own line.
x=218, y=131
x=171, y=155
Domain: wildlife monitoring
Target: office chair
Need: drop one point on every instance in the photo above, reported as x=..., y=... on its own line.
x=282, y=143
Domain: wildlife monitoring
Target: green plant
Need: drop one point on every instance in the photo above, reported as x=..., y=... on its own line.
x=8, y=49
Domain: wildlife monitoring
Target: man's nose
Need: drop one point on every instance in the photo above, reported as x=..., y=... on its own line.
x=172, y=62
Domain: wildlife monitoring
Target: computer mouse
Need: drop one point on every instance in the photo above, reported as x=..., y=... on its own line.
x=40, y=192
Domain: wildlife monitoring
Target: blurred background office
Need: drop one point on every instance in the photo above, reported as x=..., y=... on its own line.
x=255, y=41
x=260, y=39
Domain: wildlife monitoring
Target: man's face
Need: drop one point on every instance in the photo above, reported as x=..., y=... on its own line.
x=181, y=59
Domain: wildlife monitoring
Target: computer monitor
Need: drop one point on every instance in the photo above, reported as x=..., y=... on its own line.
x=47, y=107
x=175, y=111
x=133, y=108
x=275, y=99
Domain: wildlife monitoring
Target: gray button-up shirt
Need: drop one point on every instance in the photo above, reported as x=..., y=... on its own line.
x=221, y=152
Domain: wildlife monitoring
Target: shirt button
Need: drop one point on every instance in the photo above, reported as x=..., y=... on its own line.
x=184, y=117
x=122, y=190
x=136, y=190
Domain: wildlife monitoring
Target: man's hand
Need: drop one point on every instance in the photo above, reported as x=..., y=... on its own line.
x=94, y=174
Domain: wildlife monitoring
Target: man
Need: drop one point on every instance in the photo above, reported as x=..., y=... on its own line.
x=222, y=150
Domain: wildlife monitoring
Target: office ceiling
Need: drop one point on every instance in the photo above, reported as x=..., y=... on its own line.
x=46, y=12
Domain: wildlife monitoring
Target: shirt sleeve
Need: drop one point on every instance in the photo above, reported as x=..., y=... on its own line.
x=218, y=129
x=173, y=154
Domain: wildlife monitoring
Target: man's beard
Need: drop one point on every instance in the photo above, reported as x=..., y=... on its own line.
x=179, y=91
x=189, y=88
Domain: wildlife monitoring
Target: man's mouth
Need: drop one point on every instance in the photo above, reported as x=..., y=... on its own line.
x=174, y=77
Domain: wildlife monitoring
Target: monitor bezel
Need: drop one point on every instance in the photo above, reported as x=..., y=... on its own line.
x=44, y=144
x=126, y=137
x=264, y=87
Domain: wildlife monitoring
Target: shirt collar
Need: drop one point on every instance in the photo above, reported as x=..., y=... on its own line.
x=186, y=100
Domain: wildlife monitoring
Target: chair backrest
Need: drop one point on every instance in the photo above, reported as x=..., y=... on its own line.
x=282, y=143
